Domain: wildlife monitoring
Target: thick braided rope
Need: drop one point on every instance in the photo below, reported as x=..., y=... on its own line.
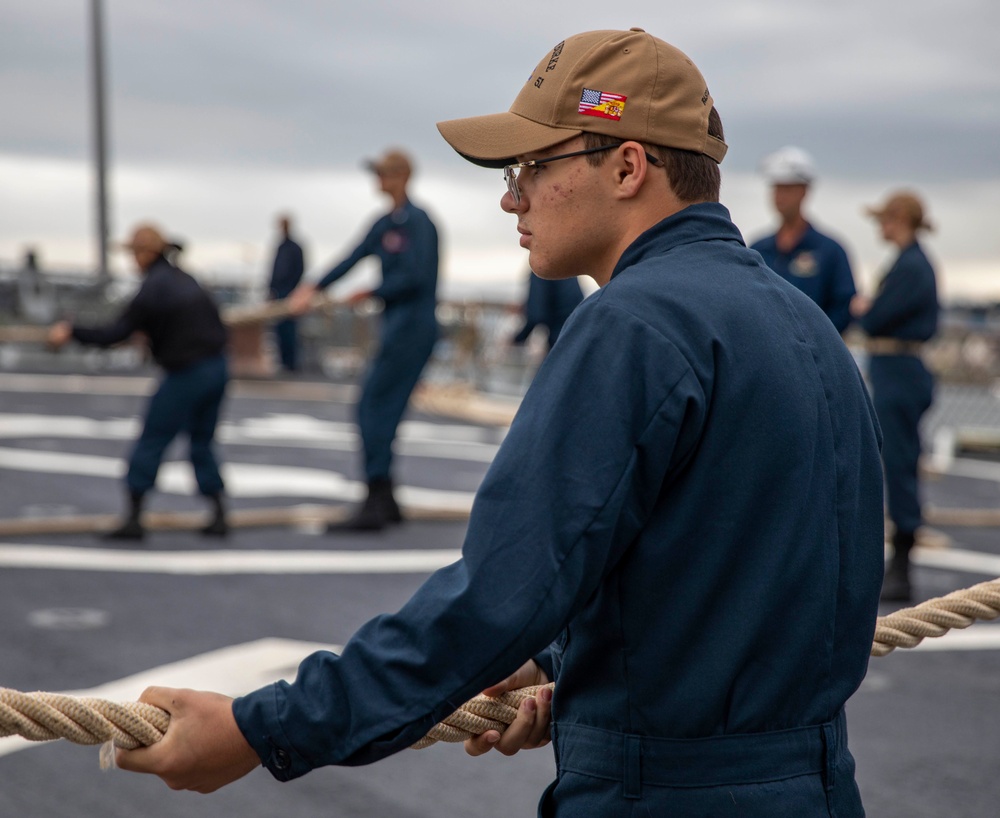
x=479, y=715
x=908, y=627
x=245, y=315
x=47, y=716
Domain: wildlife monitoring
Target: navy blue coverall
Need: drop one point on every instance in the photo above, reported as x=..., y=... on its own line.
x=406, y=242
x=186, y=338
x=905, y=308
x=818, y=266
x=549, y=303
x=286, y=273
x=688, y=507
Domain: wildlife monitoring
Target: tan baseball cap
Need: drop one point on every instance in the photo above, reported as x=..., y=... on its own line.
x=625, y=84
x=392, y=161
x=905, y=205
x=145, y=237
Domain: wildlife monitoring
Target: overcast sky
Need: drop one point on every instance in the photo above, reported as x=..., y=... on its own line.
x=223, y=113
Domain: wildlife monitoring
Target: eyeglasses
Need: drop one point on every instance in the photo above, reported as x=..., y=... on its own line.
x=510, y=171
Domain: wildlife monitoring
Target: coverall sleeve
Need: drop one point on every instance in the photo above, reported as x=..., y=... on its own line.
x=415, y=270
x=121, y=329
x=363, y=250
x=841, y=291
x=532, y=310
x=296, y=267
x=904, y=292
x=611, y=411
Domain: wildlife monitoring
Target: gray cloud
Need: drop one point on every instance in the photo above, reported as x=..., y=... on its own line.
x=870, y=88
x=222, y=111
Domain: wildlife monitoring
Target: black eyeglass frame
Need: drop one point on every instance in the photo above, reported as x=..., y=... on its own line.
x=510, y=175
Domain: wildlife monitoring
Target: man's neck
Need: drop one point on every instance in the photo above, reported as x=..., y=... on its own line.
x=790, y=233
x=644, y=216
x=398, y=199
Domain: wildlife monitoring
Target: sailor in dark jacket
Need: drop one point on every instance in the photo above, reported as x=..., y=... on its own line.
x=812, y=261
x=549, y=303
x=902, y=316
x=683, y=526
x=187, y=338
x=405, y=240
x=286, y=273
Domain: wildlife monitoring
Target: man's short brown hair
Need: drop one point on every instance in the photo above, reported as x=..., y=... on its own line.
x=694, y=177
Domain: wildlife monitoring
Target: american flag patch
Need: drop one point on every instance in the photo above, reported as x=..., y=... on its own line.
x=599, y=103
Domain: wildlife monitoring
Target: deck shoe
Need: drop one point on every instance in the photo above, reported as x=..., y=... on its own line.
x=896, y=585
x=377, y=511
x=131, y=529
x=218, y=527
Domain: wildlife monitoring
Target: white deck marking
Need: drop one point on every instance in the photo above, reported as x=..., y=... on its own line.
x=975, y=469
x=958, y=559
x=203, y=563
x=233, y=670
x=416, y=438
x=977, y=637
x=242, y=479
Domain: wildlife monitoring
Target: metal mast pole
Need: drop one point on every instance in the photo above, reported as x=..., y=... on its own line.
x=100, y=147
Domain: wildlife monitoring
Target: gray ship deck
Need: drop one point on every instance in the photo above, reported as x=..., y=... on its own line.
x=76, y=615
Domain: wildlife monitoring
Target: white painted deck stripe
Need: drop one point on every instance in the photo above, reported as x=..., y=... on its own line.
x=958, y=559
x=242, y=479
x=206, y=563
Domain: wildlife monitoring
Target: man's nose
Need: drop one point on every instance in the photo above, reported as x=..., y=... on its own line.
x=508, y=205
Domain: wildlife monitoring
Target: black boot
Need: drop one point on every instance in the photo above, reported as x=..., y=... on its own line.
x=131, y=528
x=218, y=527
x=377, y=511
x=896, y=584
x=393, y=513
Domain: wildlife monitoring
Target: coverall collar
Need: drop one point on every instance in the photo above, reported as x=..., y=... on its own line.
x=705, y=221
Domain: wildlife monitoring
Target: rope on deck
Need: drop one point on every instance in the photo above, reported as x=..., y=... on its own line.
x=462, y=402
x=303, y=514
x=48, y=716
x=908, y=627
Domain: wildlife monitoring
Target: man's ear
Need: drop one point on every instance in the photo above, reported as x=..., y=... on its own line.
x=631, y=169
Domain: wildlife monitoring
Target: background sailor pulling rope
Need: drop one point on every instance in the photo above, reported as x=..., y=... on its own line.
x=237, y=316
x=47, y=716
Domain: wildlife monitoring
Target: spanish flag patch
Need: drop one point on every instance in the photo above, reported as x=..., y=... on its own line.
x=599, y=103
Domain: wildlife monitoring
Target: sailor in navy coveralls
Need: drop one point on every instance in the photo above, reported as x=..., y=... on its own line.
x=188, y=340
x=286, y=273
x=405, y=240
x=902, y=316
x=549, y=303
x=813, y=261
x=683, y=527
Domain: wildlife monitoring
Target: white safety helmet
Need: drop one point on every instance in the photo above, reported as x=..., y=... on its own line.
x=788, y=166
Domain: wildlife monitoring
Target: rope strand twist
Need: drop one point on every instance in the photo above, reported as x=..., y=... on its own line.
x=48, y=716
x=908, y=627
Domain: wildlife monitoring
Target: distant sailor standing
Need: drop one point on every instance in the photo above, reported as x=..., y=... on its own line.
x=798, y=252
x=903, y=314
x=187, y=338
x=549, y=303
x=286, y=273
x=405, y=240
